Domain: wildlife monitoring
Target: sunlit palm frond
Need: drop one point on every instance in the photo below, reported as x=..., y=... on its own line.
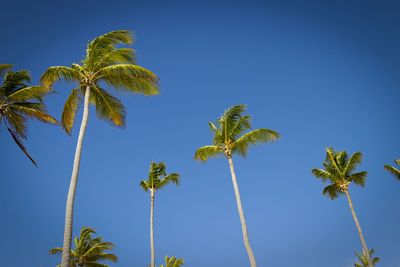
x=332, y=191
x=108, y=107
x=206, y=152
x=229, y=119
x=14, y=81
x=393, y=170
x=321, y=174
x=69, y=111
x=130, y=78
x=3, y=69
x=170, y=178
x=352, y=162
x=27, y=93
x=17, y=122
x=241, y=125
x=55, y=251
x=143, y=184
x=117, y=56
x=259, y=136
x=57, y=73
x=34, y=113
x=358, y=178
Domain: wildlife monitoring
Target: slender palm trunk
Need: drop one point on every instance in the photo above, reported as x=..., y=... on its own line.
x=152, y=193
x=241, y=215
x=366, y=251
x=66, y=253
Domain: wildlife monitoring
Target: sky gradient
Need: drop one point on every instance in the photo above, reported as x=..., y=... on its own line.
x=321, y=73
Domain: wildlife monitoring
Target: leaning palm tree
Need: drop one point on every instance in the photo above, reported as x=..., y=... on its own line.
x=173, y=262
x=363, y=259
x=230, y=138
x=88, y=252
x=393, y=170
x=18, y=100
x=338, y=169
x=158, y=178
x=104, y=64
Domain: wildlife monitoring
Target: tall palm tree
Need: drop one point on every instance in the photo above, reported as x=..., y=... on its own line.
x=338, y=169
x=173, y=262
x=88, y=251
x=230, y=137
x=104, y=64
x=158, y=178
x=18, y=100
x=393, y=170
x=362, y=257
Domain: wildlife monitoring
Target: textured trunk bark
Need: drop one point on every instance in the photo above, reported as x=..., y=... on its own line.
x=152, y=229
x=366, y=251
x=241, y=215
x=66, y=253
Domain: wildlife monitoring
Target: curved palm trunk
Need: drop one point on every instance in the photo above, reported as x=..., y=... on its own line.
x=152, y=192
x=66, y=253
x=241, y=215
x=366, y=251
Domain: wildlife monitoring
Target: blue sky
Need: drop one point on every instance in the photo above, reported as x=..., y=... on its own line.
x=321, y=73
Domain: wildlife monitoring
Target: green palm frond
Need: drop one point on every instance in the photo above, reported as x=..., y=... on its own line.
x=363, y=259
x=27, y=93
x=351, y=165
x=3, y=69
x=69, y=111
x=55, y=251
x=144, y=185
x=332, y=191
x=57, y=73
x=321, y=174
x=170, y=178
x=34, y=113
x=255, y=137
x=206, y=152
x=14, y=81
x=173, y=262
x=108, y=108
x=394, y=171
x=130, y=78
x=17, y=122
x=358, y=178
x=158, y=177
x=120, y=56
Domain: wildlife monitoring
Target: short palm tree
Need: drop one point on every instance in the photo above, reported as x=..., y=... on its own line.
x=338, y=169
x=230, y=137
x=18, y=100
x=363, y=259
x=103, y=65
x=393, y=170
x=173, y=262
x=158, y=178
x=88, y=252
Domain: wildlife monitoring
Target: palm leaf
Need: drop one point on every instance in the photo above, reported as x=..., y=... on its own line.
x=352, y=162
x=321, y=174
x=3, y=69
x=69, y=111
x=17, y=123
x=144, y=185
x=358, y=178
x=14, y=81
x=108, y=107
x=57, y=73
x=255, y=137
x=332, y=191
x=21, y=146
x=393, y=171
x=40, y=115
x=26, y=93
x=206, y=152
x=171, y=178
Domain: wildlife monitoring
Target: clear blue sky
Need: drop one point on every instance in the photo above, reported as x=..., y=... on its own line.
x=321, y=73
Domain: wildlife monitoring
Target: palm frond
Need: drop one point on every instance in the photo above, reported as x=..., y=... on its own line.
x=229, y=119
x=117, y=56
x=259, y=136
x=321, y=174
x=206, y=152
x=358, y=178
x=104, y=256
x=393, y=171
x=352, y=162
x=14, y=81
x=143, y=184
x=56, y=251
x=17, y=123
x=3, y=69
x=34, y=113
x=21, y=146
x=27, y=93
x=57, y=73
x=108, y=107
x=332, y=191
x=171, y=178
x=130, y=78
x=69, y=111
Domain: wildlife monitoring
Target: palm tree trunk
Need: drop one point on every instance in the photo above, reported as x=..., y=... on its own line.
x=66, y=253
x=241, y=215
x=366, y=251
x=152, y=192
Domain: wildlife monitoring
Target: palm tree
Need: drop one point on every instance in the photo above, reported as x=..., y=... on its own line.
x=393, y=170
x=16, y=103
x=338, y=169
x=363, y=259
x=158, y=178
x=104, y=64
x=88, y=251
x=173, y=262
x=230, y=138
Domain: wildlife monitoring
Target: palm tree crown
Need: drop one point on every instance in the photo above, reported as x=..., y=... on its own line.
x=89, y=251
x=230, y=135
x=158, y=177
x=363, y=259
x=338, y=169
x=18, y=100
x=104, y=64
x=173, y=262
x=393, y=170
